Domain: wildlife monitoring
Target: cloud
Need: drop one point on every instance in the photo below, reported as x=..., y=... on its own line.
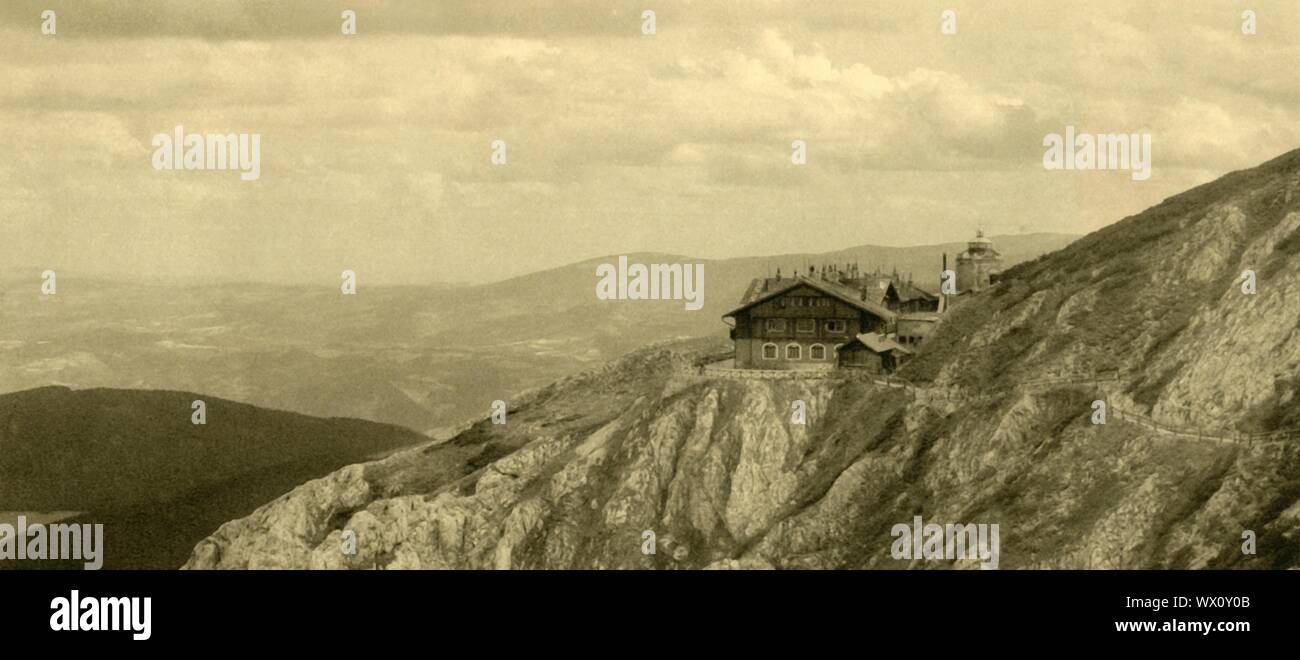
x=320, y=19
x=740, y=113
x=376, y=147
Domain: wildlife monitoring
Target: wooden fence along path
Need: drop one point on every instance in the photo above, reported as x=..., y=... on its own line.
x=956, y=395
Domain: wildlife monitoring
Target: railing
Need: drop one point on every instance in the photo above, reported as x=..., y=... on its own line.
x=1217, y=435
x=714, y=371
x=829, y=374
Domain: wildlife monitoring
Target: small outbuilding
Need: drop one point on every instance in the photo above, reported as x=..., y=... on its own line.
x=874, y=352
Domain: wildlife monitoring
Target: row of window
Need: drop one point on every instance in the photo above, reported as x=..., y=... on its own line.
x=802, y=301
x=806, y=326
x=795, y=351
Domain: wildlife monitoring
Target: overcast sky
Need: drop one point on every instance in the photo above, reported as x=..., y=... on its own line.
x=375, y=148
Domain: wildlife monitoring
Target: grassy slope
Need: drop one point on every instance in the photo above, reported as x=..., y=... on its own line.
x=1131, y=321
x=134, y=461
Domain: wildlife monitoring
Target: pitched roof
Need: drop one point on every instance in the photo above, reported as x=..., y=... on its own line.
x=920, y=316
x=877, y=343
x=907, y=292
x=762, y=286
x=755, y=295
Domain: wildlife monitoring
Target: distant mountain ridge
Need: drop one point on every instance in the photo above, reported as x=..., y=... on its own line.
x=422, y=357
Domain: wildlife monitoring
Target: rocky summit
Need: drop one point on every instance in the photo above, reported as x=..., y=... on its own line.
x=1181, y=322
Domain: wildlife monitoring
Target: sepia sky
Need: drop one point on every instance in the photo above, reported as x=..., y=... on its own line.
x=375, y=147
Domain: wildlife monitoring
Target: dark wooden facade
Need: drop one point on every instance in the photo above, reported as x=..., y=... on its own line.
x=799, y=324
x=857, y=356
x=874, y=353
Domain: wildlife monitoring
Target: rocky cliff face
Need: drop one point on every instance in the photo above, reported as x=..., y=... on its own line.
x=718, y=470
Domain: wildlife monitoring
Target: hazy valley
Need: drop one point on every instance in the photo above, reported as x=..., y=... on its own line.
x=422, y=357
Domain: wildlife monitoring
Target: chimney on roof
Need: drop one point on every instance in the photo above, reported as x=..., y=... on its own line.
x=943, y=297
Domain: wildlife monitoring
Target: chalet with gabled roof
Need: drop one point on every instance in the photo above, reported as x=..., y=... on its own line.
x=803, y=322
x=907, y=298
x=797, y=323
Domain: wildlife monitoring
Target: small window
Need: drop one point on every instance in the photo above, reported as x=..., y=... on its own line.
x=770, y=352
x=817, y=352
x=837, y=327
x=805, y=326
x=793, y=352
x=776, y=325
